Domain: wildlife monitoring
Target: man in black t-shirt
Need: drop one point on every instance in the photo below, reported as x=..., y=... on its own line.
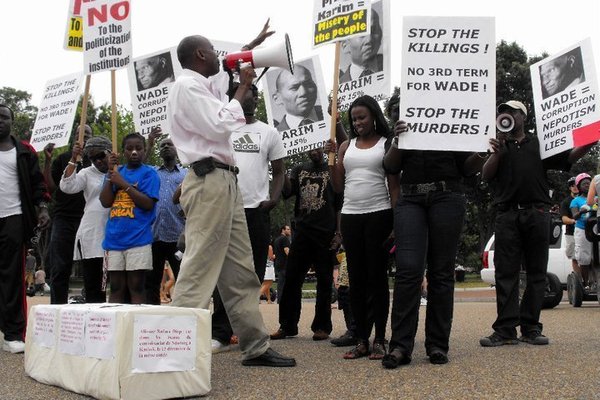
x=281, y=249
x=316, y=237
x=569, y=222
x=518, y=178
x=67, y=211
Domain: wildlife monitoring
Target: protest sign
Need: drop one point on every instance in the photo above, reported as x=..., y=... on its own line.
x=100, y=328
x=106, y=35
x=564, y=92
x=448, y=83
x=365, y=60
x=336, y=20
x=74, y=31
x=163, y=343
x=56, y=112
x=297, y=105
x=150, y=78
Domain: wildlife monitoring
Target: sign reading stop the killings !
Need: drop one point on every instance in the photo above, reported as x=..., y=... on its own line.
x=106, y=35
x=448, y=83
x=56, y=112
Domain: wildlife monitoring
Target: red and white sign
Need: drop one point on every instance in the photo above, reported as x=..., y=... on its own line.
x=565, y=92
x=106, y=35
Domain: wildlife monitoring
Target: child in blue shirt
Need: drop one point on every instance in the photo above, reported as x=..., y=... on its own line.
x=131, y=192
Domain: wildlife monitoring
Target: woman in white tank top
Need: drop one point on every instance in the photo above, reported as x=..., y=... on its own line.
x=366, y=222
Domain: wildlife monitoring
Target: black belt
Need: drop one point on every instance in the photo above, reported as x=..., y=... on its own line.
x=207, y=165
x=423, y=188
x=520, y=206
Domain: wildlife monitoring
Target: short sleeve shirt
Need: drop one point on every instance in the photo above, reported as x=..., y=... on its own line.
x=255, y=145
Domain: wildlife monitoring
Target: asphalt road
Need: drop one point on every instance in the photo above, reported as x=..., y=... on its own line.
x=569, y=368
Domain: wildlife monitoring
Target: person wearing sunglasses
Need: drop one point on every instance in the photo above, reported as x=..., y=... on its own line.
x=89, y=236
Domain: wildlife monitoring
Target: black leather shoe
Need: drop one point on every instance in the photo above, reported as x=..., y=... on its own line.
x=437, y=356
x=345, y=340
x=394, y=359
x=270, y=358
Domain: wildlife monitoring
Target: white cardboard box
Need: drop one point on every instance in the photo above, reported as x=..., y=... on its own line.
x=118, y=351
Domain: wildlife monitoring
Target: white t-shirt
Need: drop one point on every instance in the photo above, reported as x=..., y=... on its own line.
x=255, y=145
x=9, y=189
x=366, y=186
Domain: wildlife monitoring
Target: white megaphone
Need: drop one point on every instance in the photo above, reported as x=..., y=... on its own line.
x=505, y=123
x=279, y=55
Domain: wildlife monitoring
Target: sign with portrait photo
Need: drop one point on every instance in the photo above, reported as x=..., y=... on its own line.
x=335, y=20
x=297, y=105
x=448, y=83
x=565, y=90
x=365, y=60
x=150, y=78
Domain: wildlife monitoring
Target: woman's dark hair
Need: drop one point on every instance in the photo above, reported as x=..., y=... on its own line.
x=393, y=102
x=381, y=125
x=133, y=135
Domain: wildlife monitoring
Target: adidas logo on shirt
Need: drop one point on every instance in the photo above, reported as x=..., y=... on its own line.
x=245, y=145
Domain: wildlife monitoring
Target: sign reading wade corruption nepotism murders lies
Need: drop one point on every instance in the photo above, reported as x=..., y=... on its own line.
x=106, y=35
x=448, y=83
x=336, y=20
x=150, y=79
x=74, y=31
x=565, y=92
x=365, y=60
x=297, y=105
x=56, y=112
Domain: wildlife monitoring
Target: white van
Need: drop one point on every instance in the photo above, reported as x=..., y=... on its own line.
x=559, y=268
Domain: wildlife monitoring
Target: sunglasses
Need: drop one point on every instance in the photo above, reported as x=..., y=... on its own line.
x=99, y=156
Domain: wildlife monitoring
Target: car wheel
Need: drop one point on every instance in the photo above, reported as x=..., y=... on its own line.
x=575, y=289
x=554, y=292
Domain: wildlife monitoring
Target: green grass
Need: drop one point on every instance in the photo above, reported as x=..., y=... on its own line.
x=472, y=281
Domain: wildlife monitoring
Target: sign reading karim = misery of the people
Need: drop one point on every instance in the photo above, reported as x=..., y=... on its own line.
x=448, y=83
x=56, y=112
x=106, y=35
x=336, y=20
x=565, y=88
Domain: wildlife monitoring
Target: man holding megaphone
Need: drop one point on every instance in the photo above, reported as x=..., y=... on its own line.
x=218, y=252
x=521, y=196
